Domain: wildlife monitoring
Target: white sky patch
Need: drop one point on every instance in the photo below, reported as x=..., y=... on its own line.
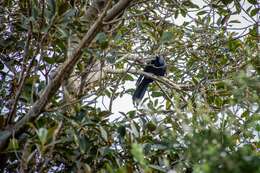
x=120, y=104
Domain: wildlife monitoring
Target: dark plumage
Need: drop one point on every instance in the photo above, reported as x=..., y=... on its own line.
x=156, y=67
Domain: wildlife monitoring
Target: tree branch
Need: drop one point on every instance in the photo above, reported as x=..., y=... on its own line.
x=116, y=9
x=163, y=80
x=24, y=74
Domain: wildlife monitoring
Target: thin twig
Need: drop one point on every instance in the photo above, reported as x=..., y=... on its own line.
x=163, y=80
x=246, y=11
x=164, y=92
x=72, y=102
x=116, y=87
x=23, y=77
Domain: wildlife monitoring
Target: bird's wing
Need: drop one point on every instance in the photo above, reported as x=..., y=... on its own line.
x=139, y=80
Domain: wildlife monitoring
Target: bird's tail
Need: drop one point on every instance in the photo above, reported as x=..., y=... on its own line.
x=140, y=91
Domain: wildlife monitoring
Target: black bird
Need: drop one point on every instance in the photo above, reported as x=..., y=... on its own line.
x=157, y=67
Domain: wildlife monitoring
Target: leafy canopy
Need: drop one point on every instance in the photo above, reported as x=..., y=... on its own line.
x=203, y=117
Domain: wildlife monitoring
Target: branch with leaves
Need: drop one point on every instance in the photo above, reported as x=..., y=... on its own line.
x=62, y=73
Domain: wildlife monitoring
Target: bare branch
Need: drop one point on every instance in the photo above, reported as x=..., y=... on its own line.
x=163, y=80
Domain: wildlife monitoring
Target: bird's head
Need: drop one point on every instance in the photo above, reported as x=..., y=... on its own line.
x=159, y=61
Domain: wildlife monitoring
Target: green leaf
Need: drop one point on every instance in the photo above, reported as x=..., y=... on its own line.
x=249, y=9
x=238, y=7
x=131, y=113
x=233, y=44
x=168, y=105
x=32, y=79
x=64, y=32
x=255, y=117
x=49, y=60
x=183, y=12
x=202, y=12
x=82, y=144
x=166, y=36
x=34, y=12
x=101, y=37
x=68, y=14
x=257, y=127
x=254, y=2
x=134, y=129
x=195, y=80
x=226, y=2
x=104, y=134
x=42, y=134
x=245, y=114
x=176, y=14
x=158, y=168
x=137, y=152
x=122, y=131
x=254, y=12
x=192, y=5
x=52, y=6
x=111, y=59
x=62, y=7
x=129, y=77
x=13, y=144
x=151, y=126
x=253, y=31
x=1, y=66
x=159, y=147
x=104, y=114
x=107, y=93
x=156, y=94
x=102, y=40
x=234, y=21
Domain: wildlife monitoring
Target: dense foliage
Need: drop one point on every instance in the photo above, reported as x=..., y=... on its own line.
x=202, y=117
